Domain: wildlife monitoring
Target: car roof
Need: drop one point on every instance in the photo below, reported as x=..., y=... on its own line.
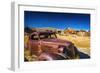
x=42, y=32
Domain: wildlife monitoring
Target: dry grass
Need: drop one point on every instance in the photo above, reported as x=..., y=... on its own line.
x=81, y=42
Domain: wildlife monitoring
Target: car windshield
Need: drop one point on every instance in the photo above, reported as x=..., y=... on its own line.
x=47, y=35
x=34, y=37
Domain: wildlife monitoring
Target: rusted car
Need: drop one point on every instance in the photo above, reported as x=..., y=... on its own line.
x=46, y=46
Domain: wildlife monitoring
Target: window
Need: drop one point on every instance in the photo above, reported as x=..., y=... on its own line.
x=34, y=37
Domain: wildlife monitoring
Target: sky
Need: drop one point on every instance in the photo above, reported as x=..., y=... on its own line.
x=57, y=20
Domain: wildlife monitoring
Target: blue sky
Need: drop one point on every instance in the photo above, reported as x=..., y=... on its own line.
x=56, y=20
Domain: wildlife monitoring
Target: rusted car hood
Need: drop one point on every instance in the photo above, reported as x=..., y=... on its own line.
x=57, y=41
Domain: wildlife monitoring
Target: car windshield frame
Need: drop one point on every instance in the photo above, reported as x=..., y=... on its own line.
x=47, y=35
x=34, y=36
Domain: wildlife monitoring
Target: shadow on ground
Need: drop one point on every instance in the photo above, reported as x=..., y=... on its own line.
x=83, y=55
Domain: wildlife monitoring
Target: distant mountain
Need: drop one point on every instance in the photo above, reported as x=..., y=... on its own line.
x=49, y=28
